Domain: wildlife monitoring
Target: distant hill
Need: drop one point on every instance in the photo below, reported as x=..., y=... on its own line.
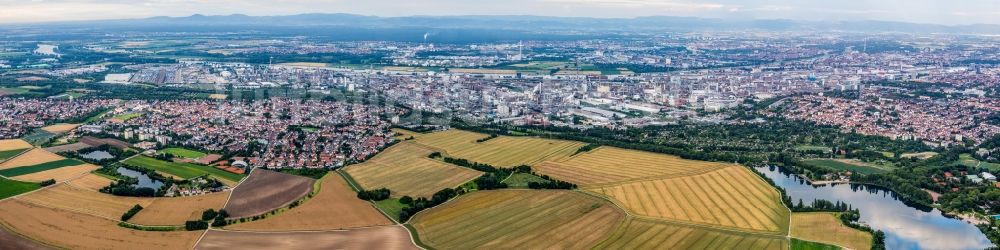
x=478, y=28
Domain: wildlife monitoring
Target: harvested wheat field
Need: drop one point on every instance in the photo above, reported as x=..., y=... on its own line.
x=335, y=207
x=609, y=164
x=825, y=227
x=264, y=191
x=59, y=175
x=72, y=230
x=383, y=237
x=643, y=234
x=34, y=157
x=503, y=151
x=170, y=211
x=13, y=144
x=405, y=170
x=70, y=198
x=90, y=182
x=60, y=128
x=518, y=219
x=732, y=197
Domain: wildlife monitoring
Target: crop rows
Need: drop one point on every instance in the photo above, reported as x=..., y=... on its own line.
x=607, y=164
x=730, y=197
x=644, y=234
x=518, y=219
x=406, y=170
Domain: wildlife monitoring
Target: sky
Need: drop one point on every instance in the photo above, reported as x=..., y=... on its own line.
x=950, y=12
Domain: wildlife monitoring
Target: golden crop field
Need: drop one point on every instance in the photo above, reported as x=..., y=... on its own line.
x=731, y=197
x=826, y=227
x=170, y=211
x=90, y=182
x=34, y=157
x=12, y=144
x=70, y=198
x=382, y=237
x=60, y=128
x=518, y=219
x=72, y=230
x=335, y=207
x=504, y=151
x=59, y=174
x=609, y=164
x=646, y=234
x=405, y=170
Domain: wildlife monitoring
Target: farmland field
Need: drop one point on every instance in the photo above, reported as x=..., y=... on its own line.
x=18, y=171
x=59, y=174
x=68, y=147
x=503, y=151
x=183, y=170
x=4, y=155
x=12, y=144
x=264, y=191
x=336, y=206
x=73, y=230
x=405, y=169
x=383, y=237
x=969, y=161
x=34, y=157
x=10, y=188
x=168, y=211
x=797, y=244
x=826, y=227
x=90, y=182
x=845, y=164
x=732, y=197
x=182, y=152
x=39, y=137
x=608, y=165
x=518, y=219
x=646, y=234
x=60, y=128
x=70, y=198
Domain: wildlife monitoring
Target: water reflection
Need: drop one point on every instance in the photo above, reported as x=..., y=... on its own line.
x=905, y=226
x=97, y=155
x=144, y=181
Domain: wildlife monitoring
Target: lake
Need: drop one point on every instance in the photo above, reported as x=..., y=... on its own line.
x=905, y=227
x=144, y=181
x=97, y=155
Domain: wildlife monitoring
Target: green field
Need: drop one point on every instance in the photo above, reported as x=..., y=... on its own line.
x=969, y=161
x=798, y=244
x=127, y=116
x=813, y=148
x=18, y=171
x=13, y=91
x=39, y=137
x=390, y=207
x=830, y=163
x=182, y=170
x=11, y=153
x=521, y=180
x=181, y=152
x=9, y=188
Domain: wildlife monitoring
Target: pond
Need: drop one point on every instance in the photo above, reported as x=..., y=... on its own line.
x=98, y=155
x=144, y=181
x=905, y=226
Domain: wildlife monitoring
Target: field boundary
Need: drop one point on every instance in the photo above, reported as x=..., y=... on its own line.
x=18, y=154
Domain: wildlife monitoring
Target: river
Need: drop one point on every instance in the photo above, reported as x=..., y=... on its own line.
x=905, y=227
